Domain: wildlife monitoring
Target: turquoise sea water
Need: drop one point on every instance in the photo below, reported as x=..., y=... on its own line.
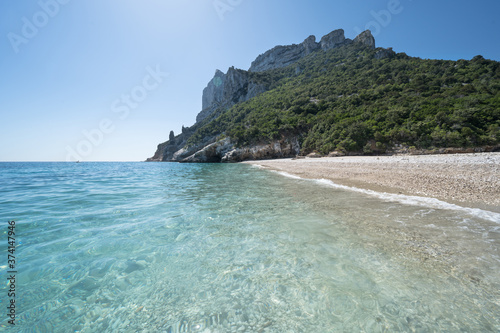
x=160, y=247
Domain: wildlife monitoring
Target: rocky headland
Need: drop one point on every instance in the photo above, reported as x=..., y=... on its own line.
x=235, y=86
x=342, y=97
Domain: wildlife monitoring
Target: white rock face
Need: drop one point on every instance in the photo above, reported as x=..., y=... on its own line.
x=225, y=90
x=282, y=56
x=366, y=38
x=225, y=151
x=334, y=39
x=214, y=89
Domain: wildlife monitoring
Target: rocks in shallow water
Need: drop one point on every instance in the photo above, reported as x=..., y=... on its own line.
x=84, y=287
x=133, y=266
x=130, y=266
x=100, y=269
x=122, y=283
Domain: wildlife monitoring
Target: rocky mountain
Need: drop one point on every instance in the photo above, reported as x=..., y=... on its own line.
x=341, y=96
x=282, y=56
x=235, y=86
x=225, y=90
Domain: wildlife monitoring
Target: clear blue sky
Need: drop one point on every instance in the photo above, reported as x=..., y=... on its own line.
x=67, y=66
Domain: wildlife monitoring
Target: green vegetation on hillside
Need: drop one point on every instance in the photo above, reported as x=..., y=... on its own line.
x=345, y=99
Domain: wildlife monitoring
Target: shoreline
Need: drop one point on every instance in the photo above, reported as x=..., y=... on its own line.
x=470, y=180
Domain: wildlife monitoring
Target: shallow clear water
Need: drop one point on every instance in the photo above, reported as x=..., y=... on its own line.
x=160, y=247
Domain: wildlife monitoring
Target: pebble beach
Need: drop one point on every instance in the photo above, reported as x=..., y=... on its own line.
x=467, y=179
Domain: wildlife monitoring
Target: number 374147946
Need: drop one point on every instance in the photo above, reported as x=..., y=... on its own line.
x=11, y=240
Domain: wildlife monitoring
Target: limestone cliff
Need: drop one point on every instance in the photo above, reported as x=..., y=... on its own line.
x=282, y=56
x=225, y=151
x=227, y=89
x=334, y=39
x=366, y=38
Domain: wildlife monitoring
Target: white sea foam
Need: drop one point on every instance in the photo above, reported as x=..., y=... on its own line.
x=258, y=166
x=283, y=173
x=406, y=199
x=288, y=175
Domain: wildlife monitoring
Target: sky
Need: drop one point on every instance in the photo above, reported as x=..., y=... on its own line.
x=107, y=80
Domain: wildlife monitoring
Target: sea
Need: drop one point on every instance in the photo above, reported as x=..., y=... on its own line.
x=168, y=247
